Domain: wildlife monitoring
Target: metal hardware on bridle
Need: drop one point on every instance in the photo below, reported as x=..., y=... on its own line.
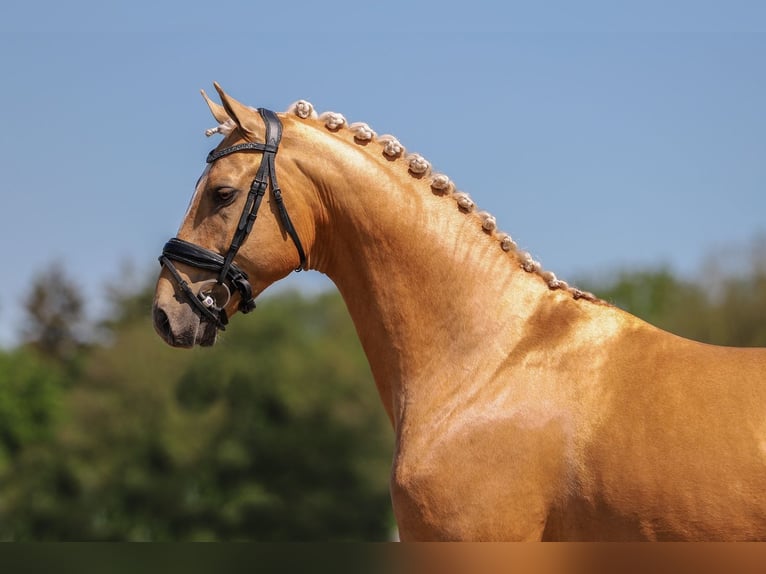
x=212, y=295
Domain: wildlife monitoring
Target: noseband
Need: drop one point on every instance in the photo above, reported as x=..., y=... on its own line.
x=210, y=297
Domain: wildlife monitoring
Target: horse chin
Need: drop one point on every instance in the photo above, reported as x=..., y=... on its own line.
x=183, y=329
x=207, y=334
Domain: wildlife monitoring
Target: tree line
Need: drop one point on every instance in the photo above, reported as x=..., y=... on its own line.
x=276, y=433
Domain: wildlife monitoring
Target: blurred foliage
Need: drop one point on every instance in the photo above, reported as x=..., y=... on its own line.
x=276, y=433
x=722, y=307
x=29, y=403
x=55, y=315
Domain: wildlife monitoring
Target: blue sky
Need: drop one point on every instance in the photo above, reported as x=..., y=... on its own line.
x=602, y=135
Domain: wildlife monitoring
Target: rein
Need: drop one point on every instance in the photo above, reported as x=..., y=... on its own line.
x=211, y=296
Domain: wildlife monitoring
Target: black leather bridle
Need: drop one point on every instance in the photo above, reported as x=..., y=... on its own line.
x=211, y=296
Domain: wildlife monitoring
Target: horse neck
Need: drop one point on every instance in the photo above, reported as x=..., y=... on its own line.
x=423, y=281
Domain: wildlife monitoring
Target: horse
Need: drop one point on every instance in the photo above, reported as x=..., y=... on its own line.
x=522, y=408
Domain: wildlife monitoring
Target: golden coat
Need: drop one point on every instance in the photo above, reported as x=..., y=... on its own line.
x=522, y=409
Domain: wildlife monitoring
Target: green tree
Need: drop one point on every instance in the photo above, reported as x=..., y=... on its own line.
x=54, y=315
x=275, y=434
x=29, y=403
x=721, y=306
x=738, y=311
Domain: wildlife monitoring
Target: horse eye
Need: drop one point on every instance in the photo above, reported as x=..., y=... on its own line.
x=224, y=195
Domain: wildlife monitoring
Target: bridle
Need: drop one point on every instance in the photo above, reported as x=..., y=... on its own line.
x=211, y=296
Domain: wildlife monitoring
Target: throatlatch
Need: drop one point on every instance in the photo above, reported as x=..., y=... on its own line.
x=211, y=296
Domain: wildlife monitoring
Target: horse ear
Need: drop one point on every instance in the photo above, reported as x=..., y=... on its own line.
x=219, y=113
x=242, y=115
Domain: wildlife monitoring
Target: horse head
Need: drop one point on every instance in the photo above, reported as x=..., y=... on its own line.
x=237, y=236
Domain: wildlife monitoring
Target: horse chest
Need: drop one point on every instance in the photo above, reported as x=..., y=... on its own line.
x=487, y=480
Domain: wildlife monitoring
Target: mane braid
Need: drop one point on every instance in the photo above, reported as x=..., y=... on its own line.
x=420, y=168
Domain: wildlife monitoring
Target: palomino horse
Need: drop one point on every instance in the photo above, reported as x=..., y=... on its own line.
x=523, y=409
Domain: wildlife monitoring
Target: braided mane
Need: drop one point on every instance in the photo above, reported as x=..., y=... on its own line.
x=442, y=185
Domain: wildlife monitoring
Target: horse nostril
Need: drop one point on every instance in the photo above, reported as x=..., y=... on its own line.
x=162, y=324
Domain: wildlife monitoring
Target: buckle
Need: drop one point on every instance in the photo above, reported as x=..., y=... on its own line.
x=211, y=293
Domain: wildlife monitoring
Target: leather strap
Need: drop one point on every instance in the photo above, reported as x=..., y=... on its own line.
x=185, y=252
x=220, y=319
x=194, y=255
x=267, y=174
x=246, y=146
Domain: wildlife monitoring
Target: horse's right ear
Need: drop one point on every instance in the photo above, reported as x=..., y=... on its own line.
x=247, y=119
x=218, y=111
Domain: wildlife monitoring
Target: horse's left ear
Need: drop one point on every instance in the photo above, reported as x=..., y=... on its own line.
x=219, y=113
x=245, y=117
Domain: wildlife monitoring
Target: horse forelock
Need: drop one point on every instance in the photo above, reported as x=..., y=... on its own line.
x=224, y=129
